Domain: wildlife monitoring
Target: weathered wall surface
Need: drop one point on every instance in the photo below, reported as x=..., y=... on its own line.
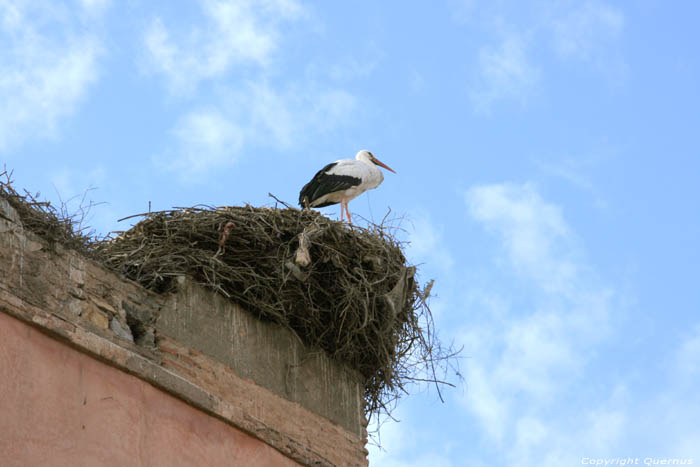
x=264, y=352
x=61, y=407
x=194, y=345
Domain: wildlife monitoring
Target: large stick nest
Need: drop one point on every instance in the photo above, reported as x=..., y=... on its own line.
x=345, y=290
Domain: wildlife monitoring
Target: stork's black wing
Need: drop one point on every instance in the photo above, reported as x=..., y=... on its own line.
x=324, y=183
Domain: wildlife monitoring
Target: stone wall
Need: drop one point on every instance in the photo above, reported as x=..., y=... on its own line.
x=190, y=364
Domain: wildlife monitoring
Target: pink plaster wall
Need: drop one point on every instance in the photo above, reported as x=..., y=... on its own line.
x=60, y=407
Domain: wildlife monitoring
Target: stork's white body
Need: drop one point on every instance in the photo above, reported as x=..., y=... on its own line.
x=369, y=174
x=342, y=181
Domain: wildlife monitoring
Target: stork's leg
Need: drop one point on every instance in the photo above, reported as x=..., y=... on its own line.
x=347, y=211
x=342, y=211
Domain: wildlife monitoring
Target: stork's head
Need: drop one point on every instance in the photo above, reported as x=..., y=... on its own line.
x=368, y=158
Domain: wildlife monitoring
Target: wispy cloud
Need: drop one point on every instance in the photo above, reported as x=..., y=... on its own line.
x=463, y=10
x=95, y=7
x=535, y=236
x=680, y=404
x=509, y=66
x=504, y=72
x=401, y=444
x=235, y=33
x=205, y=139
x=531, y=327
x=235, y=48
x=212, y=138
x=685, y=363
x=533, y=352
x=284, y=116
x=583, y=31
x=527, y=353
x=49, y=62
x=351, y=68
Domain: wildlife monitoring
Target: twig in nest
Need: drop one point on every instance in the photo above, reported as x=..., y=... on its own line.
x=279, y=200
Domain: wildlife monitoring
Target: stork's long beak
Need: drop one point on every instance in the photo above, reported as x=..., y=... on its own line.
x=382, y=164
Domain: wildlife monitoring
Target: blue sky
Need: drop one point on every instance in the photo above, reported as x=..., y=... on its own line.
x=547, y=159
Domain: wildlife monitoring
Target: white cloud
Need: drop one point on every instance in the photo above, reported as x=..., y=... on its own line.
x=273, y=113
x=670, y=416
x=530, y=377
x=399, y=446
x=536, y=238
x=504, y=72
x=234, y=49
x=483, y=399
x=351, y=69
x=282, y=117
x=687, y=359
x=236, y=33
x=661, y=422
x=462, y=10
x=429, y=459
x=528, y=354
x=95, y=7
x=509, y=71
x=45, y=75
x=556, y=441
x=537, y=354
x=205, y=139
x=586, y=30
x=208, y=139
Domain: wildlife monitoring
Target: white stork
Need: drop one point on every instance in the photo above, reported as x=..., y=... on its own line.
x=343, y=180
